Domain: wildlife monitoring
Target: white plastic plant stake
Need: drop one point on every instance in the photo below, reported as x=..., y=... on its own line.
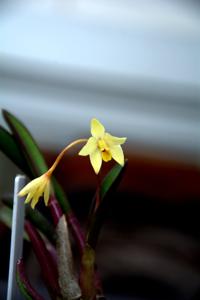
x=16, y=237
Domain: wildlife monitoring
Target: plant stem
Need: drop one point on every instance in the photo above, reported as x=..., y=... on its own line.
x=61, y=154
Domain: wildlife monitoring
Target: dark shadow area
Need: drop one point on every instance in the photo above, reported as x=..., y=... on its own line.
x=148, y=249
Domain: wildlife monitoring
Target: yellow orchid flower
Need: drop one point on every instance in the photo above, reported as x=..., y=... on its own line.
x=102, y=146
x=41, y=185
x=36, y=188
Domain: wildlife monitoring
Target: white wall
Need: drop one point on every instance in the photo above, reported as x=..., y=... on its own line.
x=135, y=65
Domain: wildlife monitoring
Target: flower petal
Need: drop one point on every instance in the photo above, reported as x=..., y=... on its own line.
x=117, y=154
x=30, y=186
x=46, y=193
x=113, y=140
x=89, y=147
x=96, y=160
x=35, y=201
x=97, y=129
x=29, y=197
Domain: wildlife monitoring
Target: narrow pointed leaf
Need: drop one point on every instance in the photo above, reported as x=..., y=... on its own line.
x=10, y=148
x=41, y=223
x=76, y=231
x=6, y=218
x=37, y=219
x=71, y=218
x=110, y=179
x=47, y=263
x=27, y=143
x=61, y=196
x=33, y=155
x=37, y=164
x=24, y=285
x=110, y=182
x=55, y=209
x=6, y=215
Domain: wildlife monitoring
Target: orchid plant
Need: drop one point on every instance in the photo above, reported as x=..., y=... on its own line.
x=51, y=240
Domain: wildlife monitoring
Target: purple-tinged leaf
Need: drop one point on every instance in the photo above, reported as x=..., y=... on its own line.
x=24, y=285
x=76, y=231
x=55, y=210
x=47, y=264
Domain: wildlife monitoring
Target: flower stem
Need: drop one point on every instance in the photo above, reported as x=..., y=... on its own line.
x=61, y=154
x=97, y=200
x=55, y=209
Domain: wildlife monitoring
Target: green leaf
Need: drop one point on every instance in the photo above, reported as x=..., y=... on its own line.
x=33, y=155
x=30, y=149
x=6, y=215
x=110, y=182
x=10, y=148
x=6, y=218
x=23, y=289
x=41, y=223
x=37, y=219
x=36, y=162
x=110, y=179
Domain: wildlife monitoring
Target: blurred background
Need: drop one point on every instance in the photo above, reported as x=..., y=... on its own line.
x=134, y=65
